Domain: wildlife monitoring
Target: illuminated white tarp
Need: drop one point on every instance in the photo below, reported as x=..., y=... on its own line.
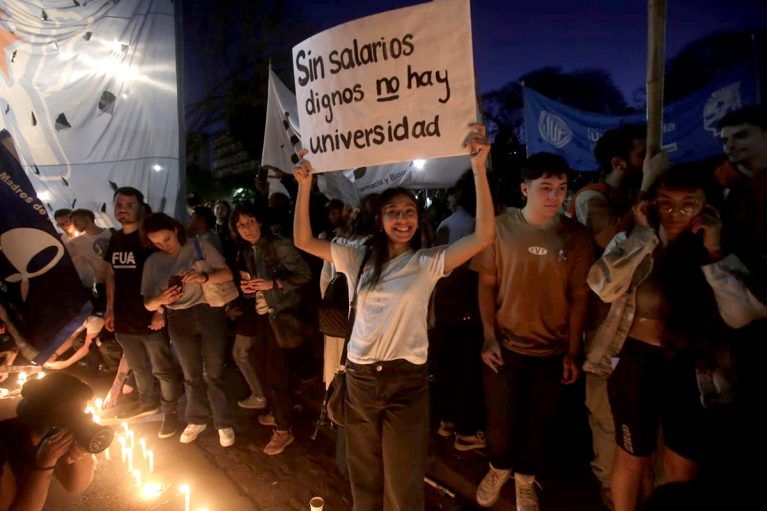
x=88, y=92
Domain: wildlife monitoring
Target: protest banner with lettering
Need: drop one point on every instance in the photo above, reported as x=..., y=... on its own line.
x=40, y=291
x=689, y=127
x=387, y=88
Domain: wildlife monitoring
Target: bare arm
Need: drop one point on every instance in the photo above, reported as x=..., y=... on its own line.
x=302, y=224
x=76, y=476
x=484, y=228
x=117, y=384
x=31, y=491
x=486, y=296
x=81, y=352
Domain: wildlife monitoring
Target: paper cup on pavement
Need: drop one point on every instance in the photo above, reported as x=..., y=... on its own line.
x=316, y=504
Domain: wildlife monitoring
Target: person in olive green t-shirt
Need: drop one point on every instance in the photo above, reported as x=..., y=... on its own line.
x=533, y=300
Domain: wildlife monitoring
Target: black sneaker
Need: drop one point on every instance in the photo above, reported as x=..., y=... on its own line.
x=170, y=425
x=137, y=410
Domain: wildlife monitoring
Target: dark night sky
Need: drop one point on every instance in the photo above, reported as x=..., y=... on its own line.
x=512, y=37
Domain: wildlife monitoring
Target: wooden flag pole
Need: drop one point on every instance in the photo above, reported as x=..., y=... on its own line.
x=656, y=59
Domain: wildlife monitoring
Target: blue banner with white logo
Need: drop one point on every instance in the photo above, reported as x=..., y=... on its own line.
x=39, y=287
x=689, y=129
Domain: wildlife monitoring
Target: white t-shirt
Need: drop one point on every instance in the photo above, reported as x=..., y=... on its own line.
x=391, y=318
x=87, y=251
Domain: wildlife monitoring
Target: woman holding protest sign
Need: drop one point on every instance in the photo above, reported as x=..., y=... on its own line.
x=387, y=399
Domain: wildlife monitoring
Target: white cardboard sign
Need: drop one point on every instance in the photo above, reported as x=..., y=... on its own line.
x=391, y=87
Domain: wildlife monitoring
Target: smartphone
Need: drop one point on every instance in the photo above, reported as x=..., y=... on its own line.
x=175, y=280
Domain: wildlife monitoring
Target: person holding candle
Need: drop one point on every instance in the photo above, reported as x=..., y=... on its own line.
x=197, y=330
x=32, y=453
x=387, y=396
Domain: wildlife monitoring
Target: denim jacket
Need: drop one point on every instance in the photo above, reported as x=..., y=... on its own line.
x=277, y=259
x=626, y=263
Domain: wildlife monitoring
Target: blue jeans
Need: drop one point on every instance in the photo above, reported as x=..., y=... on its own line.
x=387, y=425
x=148, y=356
x=199, y=336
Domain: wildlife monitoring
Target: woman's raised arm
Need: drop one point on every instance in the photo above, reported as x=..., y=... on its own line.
x=302, y=224
x=484, y=227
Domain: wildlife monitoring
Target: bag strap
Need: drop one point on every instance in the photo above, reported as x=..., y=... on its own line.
x=353, y=306
x=198, y=250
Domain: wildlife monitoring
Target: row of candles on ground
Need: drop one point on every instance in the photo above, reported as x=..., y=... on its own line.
x=127, y=440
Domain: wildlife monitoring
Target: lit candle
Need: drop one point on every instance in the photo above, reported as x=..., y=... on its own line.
x=184, y=488
x=132, y=439
x=22, y=379
x=106, y=454
x=125, y=427
x=150, y=457
x=137, y=476
x=151, y=490
x=121, y=439
x=142, y=443
x=130, y=459
x=41, y=375
x=99, y=404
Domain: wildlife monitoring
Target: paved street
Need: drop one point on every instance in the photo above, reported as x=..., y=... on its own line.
x=242, y=478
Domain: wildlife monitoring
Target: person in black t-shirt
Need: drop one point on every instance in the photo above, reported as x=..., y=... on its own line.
x=140, y=332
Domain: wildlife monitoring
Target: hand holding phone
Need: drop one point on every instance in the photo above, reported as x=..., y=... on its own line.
x=175, y=281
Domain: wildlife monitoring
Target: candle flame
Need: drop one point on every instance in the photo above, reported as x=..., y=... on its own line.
x=151, y=490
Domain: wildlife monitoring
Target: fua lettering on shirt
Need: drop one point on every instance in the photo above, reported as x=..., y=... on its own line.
x=123, y=259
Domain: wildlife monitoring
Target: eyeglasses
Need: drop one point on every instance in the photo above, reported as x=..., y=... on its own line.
x=686, y=208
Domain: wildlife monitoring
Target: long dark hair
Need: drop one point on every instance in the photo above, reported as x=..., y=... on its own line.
x=379, y=241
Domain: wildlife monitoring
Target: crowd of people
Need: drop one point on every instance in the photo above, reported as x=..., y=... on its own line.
x=649, y=283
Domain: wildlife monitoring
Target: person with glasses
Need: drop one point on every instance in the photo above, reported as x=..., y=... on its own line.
x=664, y=330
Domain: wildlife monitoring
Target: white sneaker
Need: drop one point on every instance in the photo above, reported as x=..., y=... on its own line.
x=253, y=402
x=527, y=499
x=489, y=489
x=226, y=437
x=191, y=432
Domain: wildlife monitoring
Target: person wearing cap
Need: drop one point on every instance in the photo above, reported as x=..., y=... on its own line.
x=31, y=455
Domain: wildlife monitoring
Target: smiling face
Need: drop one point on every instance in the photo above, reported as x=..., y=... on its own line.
x=399, y=219
x=248, y=228
x=165, y=240
x=545, y=195
x=677, y=208
x=746, y=144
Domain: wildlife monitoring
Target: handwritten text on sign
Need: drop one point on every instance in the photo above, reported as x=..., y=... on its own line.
x=387, y=88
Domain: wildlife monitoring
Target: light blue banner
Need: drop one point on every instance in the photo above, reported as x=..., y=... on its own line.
x=689, y=130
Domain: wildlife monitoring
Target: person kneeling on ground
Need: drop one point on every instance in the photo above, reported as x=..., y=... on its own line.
x=32, y=452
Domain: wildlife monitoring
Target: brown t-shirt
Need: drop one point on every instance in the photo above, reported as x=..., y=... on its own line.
x=538, y=271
